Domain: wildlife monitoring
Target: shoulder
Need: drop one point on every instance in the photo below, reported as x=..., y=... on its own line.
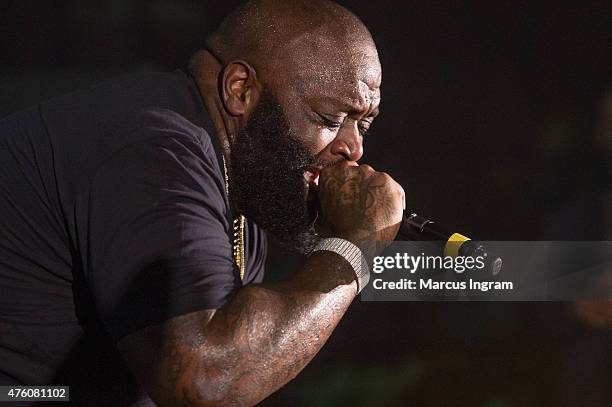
x=93, y=125
x=116, y=106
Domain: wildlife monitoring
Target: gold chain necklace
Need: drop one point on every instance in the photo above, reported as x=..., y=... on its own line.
x=238, y=226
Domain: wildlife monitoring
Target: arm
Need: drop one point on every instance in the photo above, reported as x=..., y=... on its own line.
x=267, y=333
x=243, y=352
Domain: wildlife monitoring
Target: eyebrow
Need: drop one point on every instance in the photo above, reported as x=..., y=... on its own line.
x=349, y=107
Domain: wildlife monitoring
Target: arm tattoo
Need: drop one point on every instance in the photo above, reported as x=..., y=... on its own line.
x=243, y=352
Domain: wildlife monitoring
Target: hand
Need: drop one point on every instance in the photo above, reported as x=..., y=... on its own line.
x=359, y=204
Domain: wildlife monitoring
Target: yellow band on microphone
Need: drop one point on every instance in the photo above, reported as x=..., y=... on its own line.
x=453, y=244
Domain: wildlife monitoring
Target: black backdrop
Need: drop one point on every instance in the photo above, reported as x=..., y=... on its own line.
x=489, y=120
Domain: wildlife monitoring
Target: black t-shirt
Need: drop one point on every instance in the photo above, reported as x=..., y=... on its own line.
x=113, y=217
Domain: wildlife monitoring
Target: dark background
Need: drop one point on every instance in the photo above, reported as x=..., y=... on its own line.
x=493, y=121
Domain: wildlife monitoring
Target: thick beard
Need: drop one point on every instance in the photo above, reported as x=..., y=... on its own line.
x=267, y=177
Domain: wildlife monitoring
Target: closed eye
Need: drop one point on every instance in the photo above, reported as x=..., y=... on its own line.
x=335, y=124
x=364, y=131
x=327, y=122
x=364, y=127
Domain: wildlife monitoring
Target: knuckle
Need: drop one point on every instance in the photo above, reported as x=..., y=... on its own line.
x=385, y=177
x=366, y=168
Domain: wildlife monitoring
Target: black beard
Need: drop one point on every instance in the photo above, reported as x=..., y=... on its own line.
x=267, y=177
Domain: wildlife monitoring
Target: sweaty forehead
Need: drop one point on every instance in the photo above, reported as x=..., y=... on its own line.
x=354, y=89
x=328, y=69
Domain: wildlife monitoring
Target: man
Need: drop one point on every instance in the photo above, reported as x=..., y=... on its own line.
x=131, y=212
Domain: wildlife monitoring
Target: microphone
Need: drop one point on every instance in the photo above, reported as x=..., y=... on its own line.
x=417, y=227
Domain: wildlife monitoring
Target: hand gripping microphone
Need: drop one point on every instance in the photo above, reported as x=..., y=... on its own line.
x=416, y=227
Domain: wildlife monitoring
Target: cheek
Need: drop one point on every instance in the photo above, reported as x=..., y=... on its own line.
x=322, y=138
x=315, y=138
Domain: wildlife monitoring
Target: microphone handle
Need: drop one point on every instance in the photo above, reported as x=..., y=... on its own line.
x=417, y=227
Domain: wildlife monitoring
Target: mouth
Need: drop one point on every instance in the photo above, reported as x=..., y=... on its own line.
x=311, y=175
x=311, y=182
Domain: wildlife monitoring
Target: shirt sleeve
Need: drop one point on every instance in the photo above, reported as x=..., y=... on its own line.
x=157, y=240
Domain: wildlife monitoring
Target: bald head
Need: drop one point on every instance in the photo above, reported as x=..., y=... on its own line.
x=314, y=36
x=313, y=57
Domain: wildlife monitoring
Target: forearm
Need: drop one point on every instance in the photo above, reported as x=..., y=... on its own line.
x=266, y=335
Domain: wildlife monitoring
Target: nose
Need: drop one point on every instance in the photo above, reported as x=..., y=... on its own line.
x=348, y=144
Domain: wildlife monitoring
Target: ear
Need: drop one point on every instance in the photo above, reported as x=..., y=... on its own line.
x=240, y=88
